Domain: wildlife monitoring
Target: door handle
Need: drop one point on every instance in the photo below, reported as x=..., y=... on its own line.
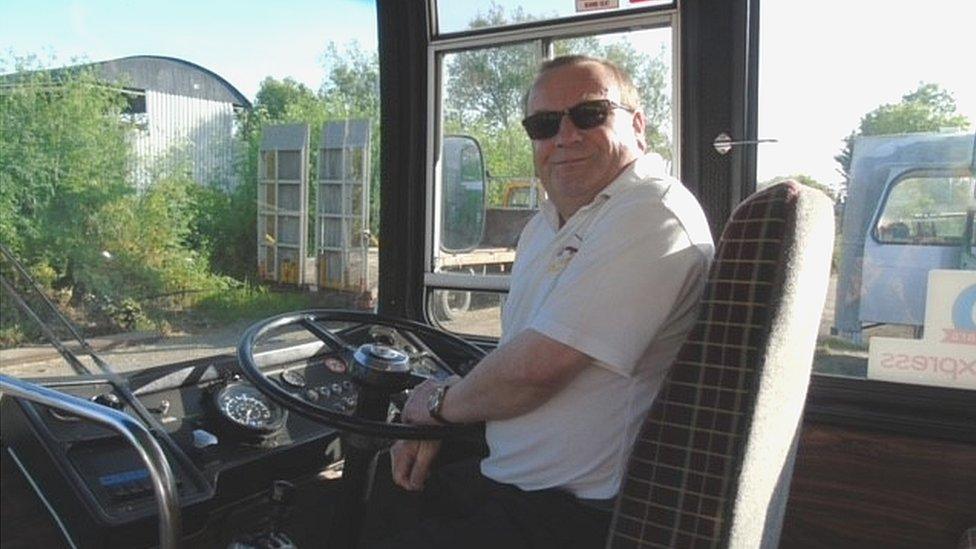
x=723, y=143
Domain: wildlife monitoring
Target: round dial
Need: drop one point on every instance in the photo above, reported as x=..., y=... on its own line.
x=293, y=378
x=335, y=364
x=246, y=408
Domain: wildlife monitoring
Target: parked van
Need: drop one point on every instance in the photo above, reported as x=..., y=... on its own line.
x=909, y=209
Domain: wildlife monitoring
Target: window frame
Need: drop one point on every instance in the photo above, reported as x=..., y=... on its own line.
x=718, y=52
x=543, y=33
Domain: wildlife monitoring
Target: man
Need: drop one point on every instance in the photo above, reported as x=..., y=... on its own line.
x=604, y=290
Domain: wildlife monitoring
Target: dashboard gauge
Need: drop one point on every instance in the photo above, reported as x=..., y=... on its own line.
x=384, y=335
x=293, y=378
x=245, y=408
x=335, y=364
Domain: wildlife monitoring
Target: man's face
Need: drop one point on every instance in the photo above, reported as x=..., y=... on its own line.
x=575, y=165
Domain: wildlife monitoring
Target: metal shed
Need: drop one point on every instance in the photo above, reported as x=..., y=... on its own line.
x=184, y=115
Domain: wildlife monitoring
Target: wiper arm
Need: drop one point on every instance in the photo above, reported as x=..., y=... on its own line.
x=48, y=333
x=45, y=329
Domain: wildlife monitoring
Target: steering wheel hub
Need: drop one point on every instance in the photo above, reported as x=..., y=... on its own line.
x=382, y=366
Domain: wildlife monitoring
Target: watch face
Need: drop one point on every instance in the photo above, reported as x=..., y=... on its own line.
x=435, y=402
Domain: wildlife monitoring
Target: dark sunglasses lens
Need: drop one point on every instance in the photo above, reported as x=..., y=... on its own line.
x=542, y=125
x=589, y=115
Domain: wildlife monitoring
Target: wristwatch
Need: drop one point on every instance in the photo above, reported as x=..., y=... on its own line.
x=436, y=402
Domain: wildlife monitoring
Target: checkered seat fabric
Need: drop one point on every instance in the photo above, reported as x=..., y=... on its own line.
x=968, y=539
x=711, y=466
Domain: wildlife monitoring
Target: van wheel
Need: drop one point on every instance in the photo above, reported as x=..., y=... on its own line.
x=449, y=304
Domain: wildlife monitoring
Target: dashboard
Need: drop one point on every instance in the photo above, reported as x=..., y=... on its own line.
x=225, y=441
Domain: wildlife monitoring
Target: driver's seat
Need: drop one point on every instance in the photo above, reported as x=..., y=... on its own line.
x=712, y=464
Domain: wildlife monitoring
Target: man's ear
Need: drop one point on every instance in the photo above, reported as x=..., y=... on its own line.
x=640, y=125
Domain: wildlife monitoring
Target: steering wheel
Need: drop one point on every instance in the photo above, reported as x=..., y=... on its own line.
x=377, y=369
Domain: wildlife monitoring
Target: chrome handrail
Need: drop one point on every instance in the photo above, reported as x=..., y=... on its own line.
x=163, y=481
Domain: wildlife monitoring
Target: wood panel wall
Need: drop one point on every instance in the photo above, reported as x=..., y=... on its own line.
x=858, y=488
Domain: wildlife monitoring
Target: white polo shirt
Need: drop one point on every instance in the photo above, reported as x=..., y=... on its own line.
x=620, y=282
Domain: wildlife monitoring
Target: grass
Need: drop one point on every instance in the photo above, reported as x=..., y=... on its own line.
x=833, y=344
x=248, y=303
x=190, y=312
x=838, y=356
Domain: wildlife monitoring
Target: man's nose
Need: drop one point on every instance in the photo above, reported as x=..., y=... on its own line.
x=568, y=132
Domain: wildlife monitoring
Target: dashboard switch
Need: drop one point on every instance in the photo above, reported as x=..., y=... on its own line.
x=202, y=439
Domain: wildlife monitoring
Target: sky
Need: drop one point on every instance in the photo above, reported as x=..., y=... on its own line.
x=241, y=41
x=823, y=64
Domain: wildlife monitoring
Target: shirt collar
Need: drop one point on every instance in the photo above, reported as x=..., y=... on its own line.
x=648, y=169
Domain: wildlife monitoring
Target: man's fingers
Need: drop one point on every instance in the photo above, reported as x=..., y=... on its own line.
x=403, y=454
x=423, y=459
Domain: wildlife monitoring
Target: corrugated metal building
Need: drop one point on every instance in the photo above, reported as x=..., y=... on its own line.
x=184, y=115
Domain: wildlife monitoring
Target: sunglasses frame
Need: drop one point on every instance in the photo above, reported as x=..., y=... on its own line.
x=572, y=113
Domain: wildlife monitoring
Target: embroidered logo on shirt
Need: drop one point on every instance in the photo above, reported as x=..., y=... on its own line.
x=562, y=259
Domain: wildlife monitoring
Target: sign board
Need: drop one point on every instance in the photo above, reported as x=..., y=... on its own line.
x=946, y=355
x=596, y=5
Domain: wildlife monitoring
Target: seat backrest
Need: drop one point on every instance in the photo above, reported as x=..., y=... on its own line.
x=712, y=464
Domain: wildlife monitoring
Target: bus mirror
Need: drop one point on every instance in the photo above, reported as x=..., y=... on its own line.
x=463, y=194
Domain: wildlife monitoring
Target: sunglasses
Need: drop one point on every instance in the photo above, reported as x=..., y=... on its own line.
x=585, y=115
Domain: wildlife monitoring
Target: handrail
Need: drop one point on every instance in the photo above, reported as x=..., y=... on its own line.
x=163, y=481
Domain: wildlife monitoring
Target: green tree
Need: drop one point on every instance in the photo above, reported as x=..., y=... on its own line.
x=929, y=108
x=352, y=91
x=278, y=98
x=488, y=84
x=352, y=85
x=650, y=75
x=802, y=179
x=63, y=157
x=68, y=207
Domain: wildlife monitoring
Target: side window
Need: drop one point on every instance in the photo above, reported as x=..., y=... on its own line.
x=646, y=56
x=481, y=89
x=895, y=153
x=927, y=211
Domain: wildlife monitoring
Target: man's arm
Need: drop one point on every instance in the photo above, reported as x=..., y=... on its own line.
x=512, y=380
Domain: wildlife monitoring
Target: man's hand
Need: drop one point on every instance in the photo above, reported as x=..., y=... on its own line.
x=411, y=461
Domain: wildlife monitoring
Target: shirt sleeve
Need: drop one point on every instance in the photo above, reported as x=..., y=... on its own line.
x=634, y=267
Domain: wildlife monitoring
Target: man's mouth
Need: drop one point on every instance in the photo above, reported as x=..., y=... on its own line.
x=568, y=161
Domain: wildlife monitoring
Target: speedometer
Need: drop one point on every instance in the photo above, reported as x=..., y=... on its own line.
x=244, y=407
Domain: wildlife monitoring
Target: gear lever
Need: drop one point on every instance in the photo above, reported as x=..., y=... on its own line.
x=282, y=499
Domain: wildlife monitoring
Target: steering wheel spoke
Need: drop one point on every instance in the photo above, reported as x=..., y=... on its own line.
x=336, y=343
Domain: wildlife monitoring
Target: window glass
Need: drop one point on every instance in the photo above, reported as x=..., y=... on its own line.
x=467, y=312
x=485, y=147
x=485, y=152
x=166, y=193
x=646, y=56
x=884, y=126
x=453, y=16
x=926, y=211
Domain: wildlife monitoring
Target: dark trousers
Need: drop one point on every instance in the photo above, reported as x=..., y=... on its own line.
x=464, y=509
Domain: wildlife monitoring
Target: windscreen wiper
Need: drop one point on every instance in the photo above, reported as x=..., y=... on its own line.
x=49, y=334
